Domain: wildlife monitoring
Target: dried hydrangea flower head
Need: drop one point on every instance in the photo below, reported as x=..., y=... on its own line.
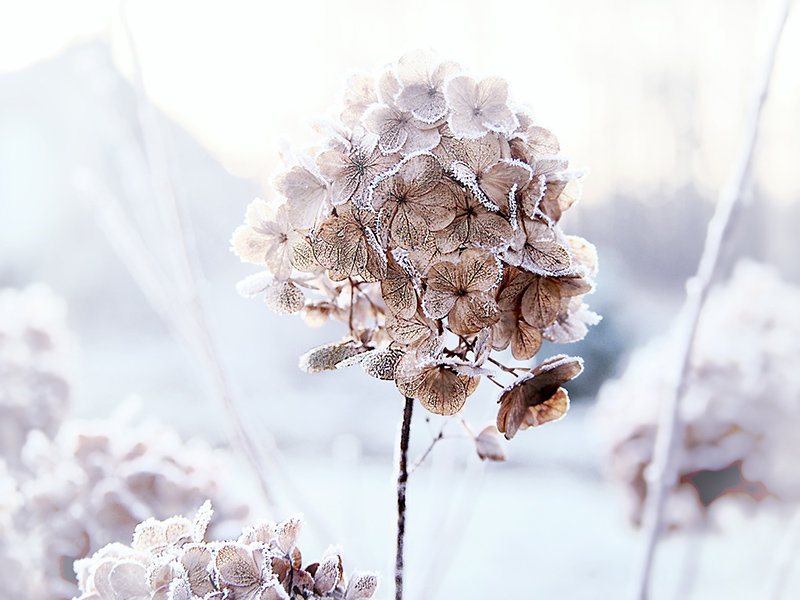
x=35, y=370
x=97, y=479
x=740, y=414
x=170, y=560
x=427, y=219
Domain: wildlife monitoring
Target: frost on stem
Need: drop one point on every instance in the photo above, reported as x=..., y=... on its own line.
x=427, y=219
x=171, y=560
x=739, y=416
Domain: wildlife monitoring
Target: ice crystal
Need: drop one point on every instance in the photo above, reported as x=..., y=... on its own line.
x=264, y=563
x=431, y=211
x=740, y=414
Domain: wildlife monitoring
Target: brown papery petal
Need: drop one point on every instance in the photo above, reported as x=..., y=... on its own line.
x=478, y=271
x=409, y=228
x=439, y=388
x=526, y=341
x=541, y=142
x=541, y=302
x=406, y=331
x=537, y=398
x=471, y=313
x=236, y=566
x=398, y=291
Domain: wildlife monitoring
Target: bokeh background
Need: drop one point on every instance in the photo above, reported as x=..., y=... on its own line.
x=651, y=96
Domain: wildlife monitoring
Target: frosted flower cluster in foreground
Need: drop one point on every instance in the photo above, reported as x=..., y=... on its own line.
x=427, y=219
x=35, y=349
x=69, y=486
x=168, y=560
x=97, y=479
x=741, y=412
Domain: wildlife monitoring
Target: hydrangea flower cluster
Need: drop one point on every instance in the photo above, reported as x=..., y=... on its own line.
x=168, y=560
x=35, y=348
x=740, y=414
x=427, y=220
x=98, y=479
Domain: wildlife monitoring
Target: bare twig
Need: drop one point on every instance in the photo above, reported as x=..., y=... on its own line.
x=402, y=479
x=661, y=474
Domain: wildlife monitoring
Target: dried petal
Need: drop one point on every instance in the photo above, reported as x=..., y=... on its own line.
x=236, y=566
x=306, y=193
x=398, y=290
x=438, y=386
x=537, y=398
x=128, y=579
x=327, y=356
x=479, y=107
x=347, y=245
x=525, y=341
x=488, y=444
x=361, y=586
x=376, y=363
x=328, y=574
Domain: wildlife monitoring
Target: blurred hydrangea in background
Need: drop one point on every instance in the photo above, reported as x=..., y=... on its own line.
x=69, y=486
x=740, y=415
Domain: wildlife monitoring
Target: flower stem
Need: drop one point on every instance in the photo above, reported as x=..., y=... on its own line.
x=402, y=478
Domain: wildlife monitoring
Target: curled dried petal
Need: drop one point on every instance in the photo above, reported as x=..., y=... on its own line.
x=537, y=398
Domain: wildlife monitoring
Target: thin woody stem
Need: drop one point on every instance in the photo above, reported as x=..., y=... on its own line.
x=496, y=363
x=661, y=476
x=402, y=478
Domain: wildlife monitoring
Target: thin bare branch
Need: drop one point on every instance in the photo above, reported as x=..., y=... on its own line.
x=661, y=474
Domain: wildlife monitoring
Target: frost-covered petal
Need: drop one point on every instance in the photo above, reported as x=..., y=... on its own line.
x=479, y=107
x=328, y=574
x=307, y=196
x=128, y=579
x=537, y=398
x=236, y=566
x=422, y=85
x=327, y=356
x=361, y=586
x=398, y=290
x=438, y=386
x=391, y=126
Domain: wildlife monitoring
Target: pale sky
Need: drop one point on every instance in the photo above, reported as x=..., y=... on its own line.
x=643, y=93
